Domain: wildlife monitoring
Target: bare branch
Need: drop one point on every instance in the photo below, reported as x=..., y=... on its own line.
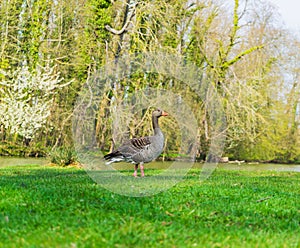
x=244, y=10
x=125, y=27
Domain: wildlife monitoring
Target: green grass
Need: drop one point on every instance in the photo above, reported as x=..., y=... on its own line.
x=63, y=207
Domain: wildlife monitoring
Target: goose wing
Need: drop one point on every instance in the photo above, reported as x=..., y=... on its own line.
x=129, y=150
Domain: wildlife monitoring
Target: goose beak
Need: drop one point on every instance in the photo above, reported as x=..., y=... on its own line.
x=164, y=113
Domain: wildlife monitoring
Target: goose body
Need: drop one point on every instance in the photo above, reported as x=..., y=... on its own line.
x=140, y=150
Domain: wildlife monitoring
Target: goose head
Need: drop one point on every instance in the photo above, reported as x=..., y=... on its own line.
x=158, y=113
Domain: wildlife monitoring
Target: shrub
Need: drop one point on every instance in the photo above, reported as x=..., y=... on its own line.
x=63, y=156
x=19, y=150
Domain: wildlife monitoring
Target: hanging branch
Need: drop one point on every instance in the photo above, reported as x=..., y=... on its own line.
x=125, y=26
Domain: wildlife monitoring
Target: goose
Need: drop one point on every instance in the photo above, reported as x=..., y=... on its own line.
x=140, y=150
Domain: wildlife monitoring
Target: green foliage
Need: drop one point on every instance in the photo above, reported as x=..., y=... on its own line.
x=20, y=150
x=4, y=64
x=91, y=41
x=63, y=207
x=100, y=16
x=63, y=156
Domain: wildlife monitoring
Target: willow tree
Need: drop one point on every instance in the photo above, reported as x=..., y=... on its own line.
x=148, y=27
x=217, y=42
x=264, y=78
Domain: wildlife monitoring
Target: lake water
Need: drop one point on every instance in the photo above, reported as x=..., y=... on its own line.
x=261, y=167
x=8, y=161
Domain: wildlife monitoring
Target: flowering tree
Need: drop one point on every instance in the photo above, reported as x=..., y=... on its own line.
x=26, y=98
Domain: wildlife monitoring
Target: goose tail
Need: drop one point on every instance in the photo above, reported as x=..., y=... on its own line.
x=113, y=157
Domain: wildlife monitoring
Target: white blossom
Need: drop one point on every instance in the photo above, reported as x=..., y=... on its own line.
x=26, y=98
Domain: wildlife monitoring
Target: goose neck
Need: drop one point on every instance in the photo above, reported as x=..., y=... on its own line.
x=155, y=123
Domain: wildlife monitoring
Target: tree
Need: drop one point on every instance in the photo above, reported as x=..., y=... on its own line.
x=26, y=100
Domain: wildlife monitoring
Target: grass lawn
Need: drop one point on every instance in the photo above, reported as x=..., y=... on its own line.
x=64, y=207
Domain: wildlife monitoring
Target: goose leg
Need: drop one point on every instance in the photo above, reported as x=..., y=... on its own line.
x=142, y=170
x=135, y=170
